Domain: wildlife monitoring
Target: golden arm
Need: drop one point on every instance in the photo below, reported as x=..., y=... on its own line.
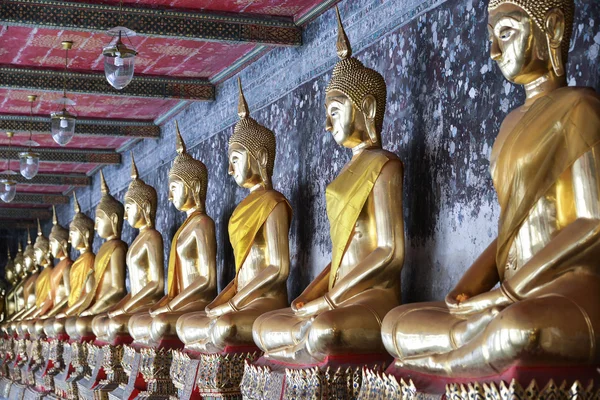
x=389, y=223
x=58, y=308
x=206, y=250
x=117, y=279
x=154, y=251
x=276, y=230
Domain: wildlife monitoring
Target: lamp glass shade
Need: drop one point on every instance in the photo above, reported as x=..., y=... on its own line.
x=8, y=190
x=29, y=164
x=119, y=68
x=63, y=127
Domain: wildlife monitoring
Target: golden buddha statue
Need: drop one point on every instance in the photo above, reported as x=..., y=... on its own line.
x=30, y=274
x=192, y=275
x=58, y=296
x=17, y=297
x=43, y=295
x=106, y=286
x=11, y=277
x=340, y=312
x=81, y=235
x=258, y=231
x=59, y=280
x=145, y=262
x=545, y=167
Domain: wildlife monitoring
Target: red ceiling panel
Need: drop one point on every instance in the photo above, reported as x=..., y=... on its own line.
x=24, y=188
x=61, y=168
x=78, y=142
x=168, y=57
x=287, y=8
x=92, y=106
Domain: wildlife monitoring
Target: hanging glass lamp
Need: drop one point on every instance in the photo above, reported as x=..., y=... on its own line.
x=8, y=187
x=63, y=122
x=29, y=161
x=119, y=60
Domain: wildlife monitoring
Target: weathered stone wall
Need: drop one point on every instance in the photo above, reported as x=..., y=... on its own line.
x=446, y=100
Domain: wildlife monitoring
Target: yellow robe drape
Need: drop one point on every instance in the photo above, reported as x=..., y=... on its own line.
x=557, y=130
x=172, y=287
x=345, y=197
x=42, y=286
x=100, y=264
x=78, y=275
x=247, y=219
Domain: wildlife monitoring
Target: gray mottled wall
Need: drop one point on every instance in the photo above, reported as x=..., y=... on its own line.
x=446, y=100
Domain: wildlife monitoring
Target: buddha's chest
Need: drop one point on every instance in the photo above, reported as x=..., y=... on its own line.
x=139, y=267
x=255, y=262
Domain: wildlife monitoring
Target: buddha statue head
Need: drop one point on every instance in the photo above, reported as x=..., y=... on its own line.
x=9, y=269
x=19, y=262
x=29, y=255
x=355, y=98
x=140, y=201
x=188, y=179
x=81, y=229
x=109, y=213
x=41, y=248
x=251, y=149
x=530, y=38
x=59, y=238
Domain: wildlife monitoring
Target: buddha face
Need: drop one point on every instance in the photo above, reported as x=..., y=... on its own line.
x=56, y=248
x=39, y=256
x=77, y=238
x=10, y=275
x=133, y=214
x=18, y=268
x=103, y=225
x=517, y=44
x=180, y=195
x=345, y=122
x=29, y=261
x=242, y=166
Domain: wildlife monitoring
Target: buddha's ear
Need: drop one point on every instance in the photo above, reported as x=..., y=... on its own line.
x=114, y=220
x=369, y=109
x=262, y=157
x=555, y=33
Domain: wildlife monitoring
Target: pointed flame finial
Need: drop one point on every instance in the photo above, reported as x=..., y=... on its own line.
x=243, y=111
x=134, y=170
x=54, y=219
x=39, y=228
x=19, y=247
x=180, y=144
x=103, y=186
x=28, y=236
x=8, y=251
x=76, y=203
x=344, y=50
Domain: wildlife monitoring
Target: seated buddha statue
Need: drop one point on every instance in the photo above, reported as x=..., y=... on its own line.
x=27, y=294
x=144, y=259
x=57, y=298
x=43, y=298
x=191, y=274
x=81, y=235
x=340, y=312
x=532, y=299
x=106, y=286
x=11, y=277
x=258, y=231
x=16, y=295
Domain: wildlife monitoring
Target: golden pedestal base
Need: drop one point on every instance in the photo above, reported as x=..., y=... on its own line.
x=131, y=365
x=5, y=385
x=65, y=382
x=183, y=373
x=17, y=390
x=115, y=376
x=381, y=386
x=86, y=385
